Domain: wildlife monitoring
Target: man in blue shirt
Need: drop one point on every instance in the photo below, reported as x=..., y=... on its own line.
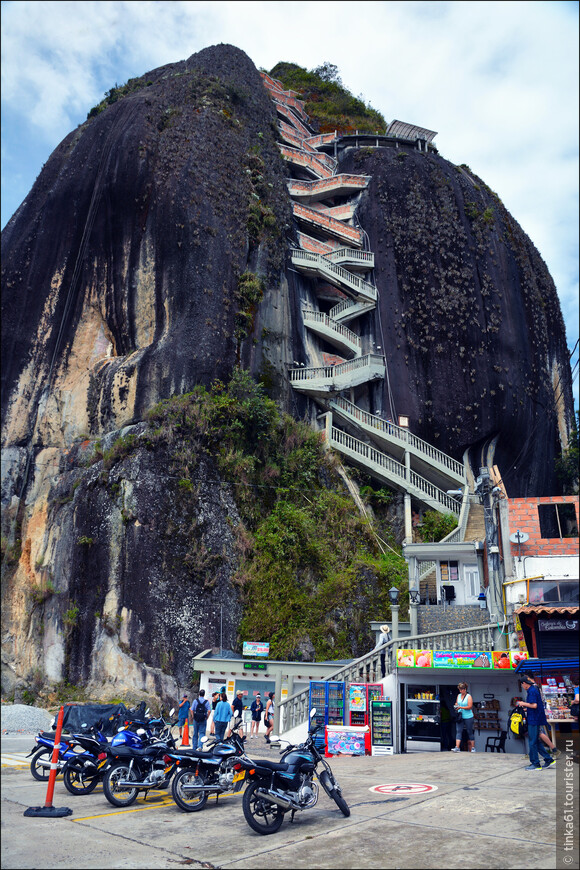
x=536, y=718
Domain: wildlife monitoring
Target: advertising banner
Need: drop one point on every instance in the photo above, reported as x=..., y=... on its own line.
x=497, y=660
x=255, y=649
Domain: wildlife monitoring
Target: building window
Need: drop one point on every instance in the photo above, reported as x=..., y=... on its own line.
x=558, y=520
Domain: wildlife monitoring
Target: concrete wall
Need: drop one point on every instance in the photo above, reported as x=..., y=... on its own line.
x=435, y=617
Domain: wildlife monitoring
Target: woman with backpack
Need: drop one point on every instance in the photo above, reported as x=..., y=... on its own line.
x=464, y=708
x=269, y=716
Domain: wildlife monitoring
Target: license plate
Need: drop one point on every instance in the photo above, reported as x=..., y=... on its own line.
x=239, y=776
x=101, y=763
x=168, y=769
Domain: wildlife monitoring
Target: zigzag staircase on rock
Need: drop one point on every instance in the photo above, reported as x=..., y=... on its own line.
x=331, y=253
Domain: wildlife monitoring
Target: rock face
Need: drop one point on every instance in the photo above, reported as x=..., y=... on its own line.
x=123, y=284
x=470, y=317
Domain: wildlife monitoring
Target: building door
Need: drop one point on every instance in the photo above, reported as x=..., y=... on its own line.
x=472, y=585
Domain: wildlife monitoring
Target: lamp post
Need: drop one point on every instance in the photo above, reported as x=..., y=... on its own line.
x=394, y=596
x=414, y=596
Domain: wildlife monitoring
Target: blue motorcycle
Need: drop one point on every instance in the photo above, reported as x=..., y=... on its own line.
x=42, y=754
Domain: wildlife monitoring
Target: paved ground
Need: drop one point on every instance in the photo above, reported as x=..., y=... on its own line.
x=486, y=811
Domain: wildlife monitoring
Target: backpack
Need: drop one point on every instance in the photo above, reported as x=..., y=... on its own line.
x=517, y=723
x=200, y=712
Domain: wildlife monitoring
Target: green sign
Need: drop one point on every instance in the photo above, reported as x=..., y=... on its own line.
x=255, y=666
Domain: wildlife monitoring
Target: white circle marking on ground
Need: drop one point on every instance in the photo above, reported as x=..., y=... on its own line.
x=403, y=788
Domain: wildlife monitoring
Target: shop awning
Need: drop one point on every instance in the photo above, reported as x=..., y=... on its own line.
x=536, y=666
x=547, y=608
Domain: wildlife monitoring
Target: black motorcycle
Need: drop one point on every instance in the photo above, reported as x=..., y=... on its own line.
x=132, y=769
x=219, y=768
x=276, y=788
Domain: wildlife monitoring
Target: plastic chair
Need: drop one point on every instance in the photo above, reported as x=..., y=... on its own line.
x=496, y=744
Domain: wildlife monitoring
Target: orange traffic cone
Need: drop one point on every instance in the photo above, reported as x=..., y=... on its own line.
x=185, y=741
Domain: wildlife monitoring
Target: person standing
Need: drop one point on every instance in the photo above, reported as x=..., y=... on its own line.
x=215, y=696
x=256, y=709
x=384, y=638
x=221, y=716
x=536, y=717
x=464, y=707
x=238, y=713
x=269, y=716
x=183, y=713
x=201, y=711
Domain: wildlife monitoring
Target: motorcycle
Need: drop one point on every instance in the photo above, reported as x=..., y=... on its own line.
x=133, y=768
x=42, y=754
x=82, y=774
x=215, y=770
x=275, y=788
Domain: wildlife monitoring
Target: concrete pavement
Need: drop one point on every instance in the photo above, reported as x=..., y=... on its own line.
x=484, y=810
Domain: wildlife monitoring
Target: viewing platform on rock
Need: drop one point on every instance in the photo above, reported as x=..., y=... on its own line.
x=328, y=380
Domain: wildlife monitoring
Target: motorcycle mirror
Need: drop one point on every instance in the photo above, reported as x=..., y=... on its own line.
x=84, y=725
x=313, y=712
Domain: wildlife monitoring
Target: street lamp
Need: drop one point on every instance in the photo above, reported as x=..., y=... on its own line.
x=394, y=596
x=414, y=595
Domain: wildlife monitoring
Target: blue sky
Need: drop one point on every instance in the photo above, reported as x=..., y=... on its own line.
x=498, y=80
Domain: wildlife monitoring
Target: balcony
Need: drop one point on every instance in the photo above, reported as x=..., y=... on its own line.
x=328, y=380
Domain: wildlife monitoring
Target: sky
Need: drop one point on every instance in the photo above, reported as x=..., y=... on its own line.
x=497, y=80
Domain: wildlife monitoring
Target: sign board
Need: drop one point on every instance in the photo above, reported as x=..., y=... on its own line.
x=496, y=660
x=256, y=649
x=255, y=666
x=558, y=624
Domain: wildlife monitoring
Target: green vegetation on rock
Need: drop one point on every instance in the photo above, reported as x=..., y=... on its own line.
x=311, y=574
x=329, y=105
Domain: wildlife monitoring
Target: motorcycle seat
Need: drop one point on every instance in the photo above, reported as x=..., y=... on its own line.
x=271, y=765
x=132, y=751
x=51, y=735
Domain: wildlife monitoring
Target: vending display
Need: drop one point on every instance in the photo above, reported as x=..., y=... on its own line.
x=328, y=697
x=381, y=716
x=335, y=703
x=359, y=698
x=422, y=719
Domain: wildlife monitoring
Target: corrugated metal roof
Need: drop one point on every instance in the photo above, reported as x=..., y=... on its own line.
x=531, y=665
x=402, y=130
x=546, y=608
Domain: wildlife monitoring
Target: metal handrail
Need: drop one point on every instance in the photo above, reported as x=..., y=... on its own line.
x=332, y=372
x=405, y=476
x=324, y=264
x=399, y=433
x=367, y=668
x=344, y=331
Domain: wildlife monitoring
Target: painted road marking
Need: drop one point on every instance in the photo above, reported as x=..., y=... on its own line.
x=403, y=788
x=160, y=800
x=15, y=759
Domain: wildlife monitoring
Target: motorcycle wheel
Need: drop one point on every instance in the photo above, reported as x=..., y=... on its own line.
x=40, y=773
x=115, y=794
x=188, y=801
x=340, y=802
x=262, y=816
x=329, y=786
x=75, y=782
